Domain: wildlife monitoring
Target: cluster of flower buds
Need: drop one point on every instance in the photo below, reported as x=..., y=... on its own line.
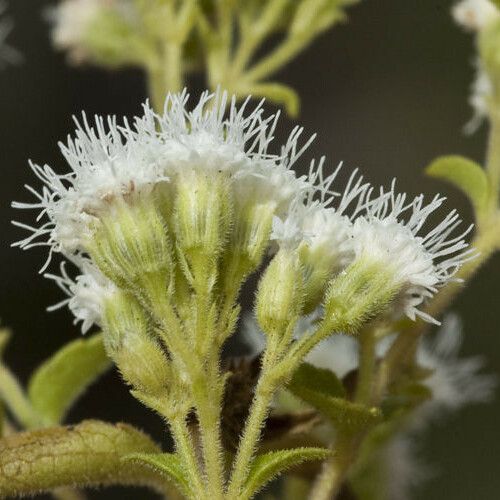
x=169, y=214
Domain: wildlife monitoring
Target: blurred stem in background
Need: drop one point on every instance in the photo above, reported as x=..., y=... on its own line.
x=224, y=39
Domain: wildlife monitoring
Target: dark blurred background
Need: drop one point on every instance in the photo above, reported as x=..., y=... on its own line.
x=386, y=91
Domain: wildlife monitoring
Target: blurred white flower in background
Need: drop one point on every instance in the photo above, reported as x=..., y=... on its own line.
x=474, y=15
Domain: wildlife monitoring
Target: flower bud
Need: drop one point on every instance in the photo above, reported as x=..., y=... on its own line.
x=316, y=274
x=203, y=213
x=364, y=290
x=280, y=296
x=140, y=359
x=249, y=239
x=131, y=247
x=252, y=231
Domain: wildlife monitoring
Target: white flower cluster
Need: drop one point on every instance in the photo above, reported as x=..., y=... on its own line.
x=109, y=160
x=387, y=230
x=474, y=15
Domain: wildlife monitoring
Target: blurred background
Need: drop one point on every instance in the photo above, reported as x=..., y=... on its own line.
x=386, y=92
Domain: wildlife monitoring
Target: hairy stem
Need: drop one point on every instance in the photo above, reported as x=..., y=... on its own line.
x=329, y=482
x=208, y=403
x=366, y=366
x=264, y=393
x=186, y=450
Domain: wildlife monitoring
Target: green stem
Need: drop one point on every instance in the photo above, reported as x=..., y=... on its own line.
x=156, y=89
x=165, y=74
x=174, y=80
x=367, y=364
x=15, y=399
x=186, y=450
x=329, y=482
x=255, y=34
x=277, y=58
x=208, y=403
x=264, y=393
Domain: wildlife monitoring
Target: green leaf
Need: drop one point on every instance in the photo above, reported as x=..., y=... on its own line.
x=407, y=398
x=348, y=416
x=318, y=379
x=166, y=464
x=466, y=175
x=321, y=389
x=269, y=465
x=89, y=454
x=58, y=382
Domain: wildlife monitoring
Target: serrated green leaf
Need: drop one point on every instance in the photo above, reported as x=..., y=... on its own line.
x=167, y=464
x=318, y=379
x=269, y=465
x=466, y=175
x=60, y=380
x=350, y=417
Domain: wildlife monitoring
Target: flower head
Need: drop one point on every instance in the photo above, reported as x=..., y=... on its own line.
x=323, y=220
x=390, y=234
x=474, y=15
x=86, y=293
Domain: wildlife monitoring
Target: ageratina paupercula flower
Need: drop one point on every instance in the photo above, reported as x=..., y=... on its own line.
x=138, y=194
x=190, y=201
